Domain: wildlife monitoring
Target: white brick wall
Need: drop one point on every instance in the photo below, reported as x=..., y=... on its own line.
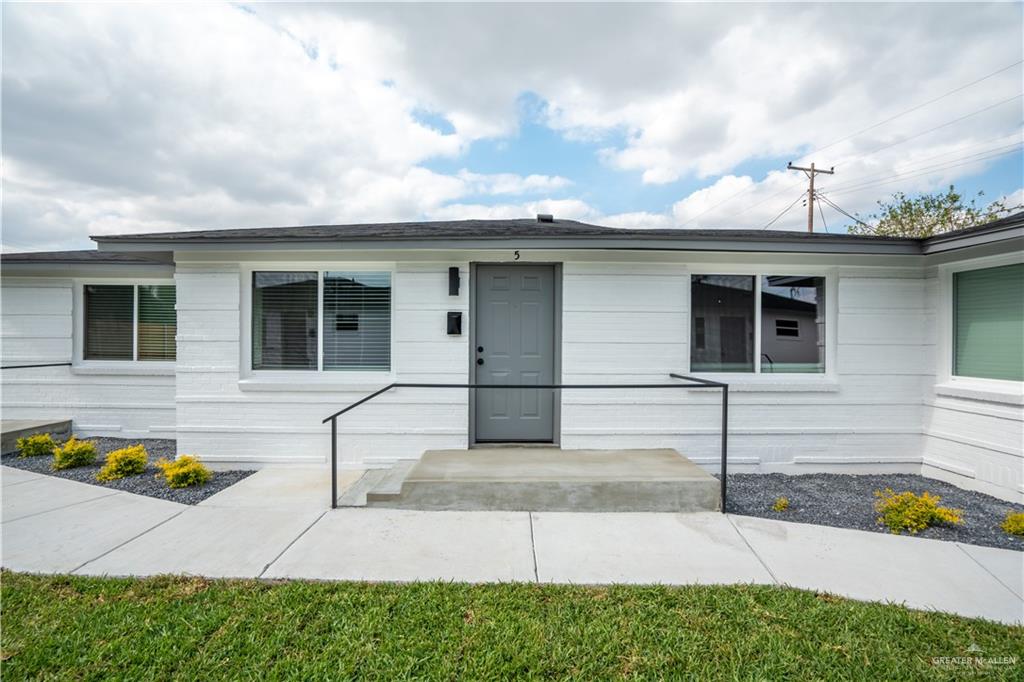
x=37, y=321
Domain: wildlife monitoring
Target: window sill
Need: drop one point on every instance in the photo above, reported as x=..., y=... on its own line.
x=775, y=383
x=315, y=383
x=986, y=390
x=126, y=368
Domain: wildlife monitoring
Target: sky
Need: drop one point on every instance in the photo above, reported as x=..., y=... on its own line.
x=135, y=118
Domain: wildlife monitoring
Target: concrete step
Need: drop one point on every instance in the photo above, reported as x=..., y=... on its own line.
x=543, y=479
x=355, y=496
x=13, y=429
x=391, y=485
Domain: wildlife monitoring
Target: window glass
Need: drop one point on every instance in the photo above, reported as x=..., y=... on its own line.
x=988, y=313
x=108, y=324
x=725, y=303
x=792, y=324
x=357, y=321
x=284, y=320
x=157, y=322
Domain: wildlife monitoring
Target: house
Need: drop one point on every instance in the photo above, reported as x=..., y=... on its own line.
x=843, y=353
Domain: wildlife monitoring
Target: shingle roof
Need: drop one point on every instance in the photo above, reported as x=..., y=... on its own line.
x=467, y=229
x=88, y=256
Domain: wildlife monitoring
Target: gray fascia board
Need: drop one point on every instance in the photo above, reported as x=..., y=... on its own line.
x=79, y=269
x=839, y=246
x=953, y=241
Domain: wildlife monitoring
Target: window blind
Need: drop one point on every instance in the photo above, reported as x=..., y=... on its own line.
x=109, y=314
x=357, y=321
x=158, y=322
x=988, y=310
x=284, y=320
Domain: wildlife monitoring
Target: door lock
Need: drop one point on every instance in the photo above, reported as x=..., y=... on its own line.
x=479, y=361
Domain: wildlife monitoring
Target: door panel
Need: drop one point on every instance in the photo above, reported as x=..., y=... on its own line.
x=515, y=326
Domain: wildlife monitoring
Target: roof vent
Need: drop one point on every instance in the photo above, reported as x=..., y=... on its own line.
x=545, y=218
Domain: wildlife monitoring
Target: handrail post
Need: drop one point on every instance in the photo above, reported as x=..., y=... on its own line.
x=725, y=439
x=334, y=462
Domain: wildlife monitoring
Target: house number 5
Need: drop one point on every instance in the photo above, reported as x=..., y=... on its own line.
x=517, y=256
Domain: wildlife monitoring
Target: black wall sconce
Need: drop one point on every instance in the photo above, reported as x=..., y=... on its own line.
x=453, y=281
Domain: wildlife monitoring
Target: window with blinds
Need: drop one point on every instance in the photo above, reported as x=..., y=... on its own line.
x=109, y=322
x=284, y=320
x=158, y=322
x=357, y=321
x=988, y=323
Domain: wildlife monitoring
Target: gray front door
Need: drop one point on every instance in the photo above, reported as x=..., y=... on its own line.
x=515, y=344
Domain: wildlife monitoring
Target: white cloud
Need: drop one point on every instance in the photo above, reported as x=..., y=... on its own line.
x=154, y=117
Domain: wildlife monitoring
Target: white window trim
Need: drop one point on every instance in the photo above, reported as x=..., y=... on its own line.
x=949, y=384
x=134, y=366
x=308, y=380
x=782, y=381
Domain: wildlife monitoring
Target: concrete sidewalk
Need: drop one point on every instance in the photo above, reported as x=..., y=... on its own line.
x=52, y=525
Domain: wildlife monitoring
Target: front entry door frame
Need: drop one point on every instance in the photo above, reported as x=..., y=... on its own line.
x=556, y=403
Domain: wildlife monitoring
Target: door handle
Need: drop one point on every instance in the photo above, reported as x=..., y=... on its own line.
x=479, y=361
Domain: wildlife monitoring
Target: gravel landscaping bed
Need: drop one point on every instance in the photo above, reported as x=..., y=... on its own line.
x=847, y=501
x=143, y=484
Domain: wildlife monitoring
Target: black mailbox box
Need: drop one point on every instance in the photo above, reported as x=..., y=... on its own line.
x=454, y=324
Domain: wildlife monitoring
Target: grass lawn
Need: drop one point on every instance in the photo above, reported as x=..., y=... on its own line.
x=188, y=628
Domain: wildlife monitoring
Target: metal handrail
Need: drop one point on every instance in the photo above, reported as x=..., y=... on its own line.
x=48, y=364
x=696, y=382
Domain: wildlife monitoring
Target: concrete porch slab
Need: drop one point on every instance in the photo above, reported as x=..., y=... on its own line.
x=402, y=545
x=284, y=488
x=643, y=549
x=63, y=539
x=209, y=541
x=46, y=493
x=549, y=479
x=923, y=574
x=13, y=429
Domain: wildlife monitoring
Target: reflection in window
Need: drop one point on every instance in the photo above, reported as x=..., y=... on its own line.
x=792, y=324
x=284, y=318
x=357, y=321
x=725, y=306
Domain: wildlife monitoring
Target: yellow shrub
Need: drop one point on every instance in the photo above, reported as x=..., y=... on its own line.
x=184, y=471
x=1014, y=523
x=74, y=453
x=913, y=513
x=34, y=446
x=781, y=504
x=124, y=462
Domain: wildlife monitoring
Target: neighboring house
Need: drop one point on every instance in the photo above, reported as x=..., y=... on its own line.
x=843, y=353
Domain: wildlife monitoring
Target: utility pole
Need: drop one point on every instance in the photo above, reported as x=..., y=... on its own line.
x=811, y=172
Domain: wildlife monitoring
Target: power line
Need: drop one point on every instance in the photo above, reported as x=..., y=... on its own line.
x=914, y=108
x=840, y=210
x=822, y=213
x=784, y=211
x=753, y=186
x=855, y=188
x=977, y=156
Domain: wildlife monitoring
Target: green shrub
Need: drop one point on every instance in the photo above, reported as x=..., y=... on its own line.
x=183, y=472
x=913, y=513
x=36, y=446
x=1013, y=523
x=124, y=462
x=74, y=453
x=781, y=504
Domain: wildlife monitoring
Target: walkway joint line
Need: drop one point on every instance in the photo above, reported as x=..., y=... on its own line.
x=134, y=537
x=289, y=545
x=63, y=506
x=985, y=568
x=752, y=550
x=533, y=549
